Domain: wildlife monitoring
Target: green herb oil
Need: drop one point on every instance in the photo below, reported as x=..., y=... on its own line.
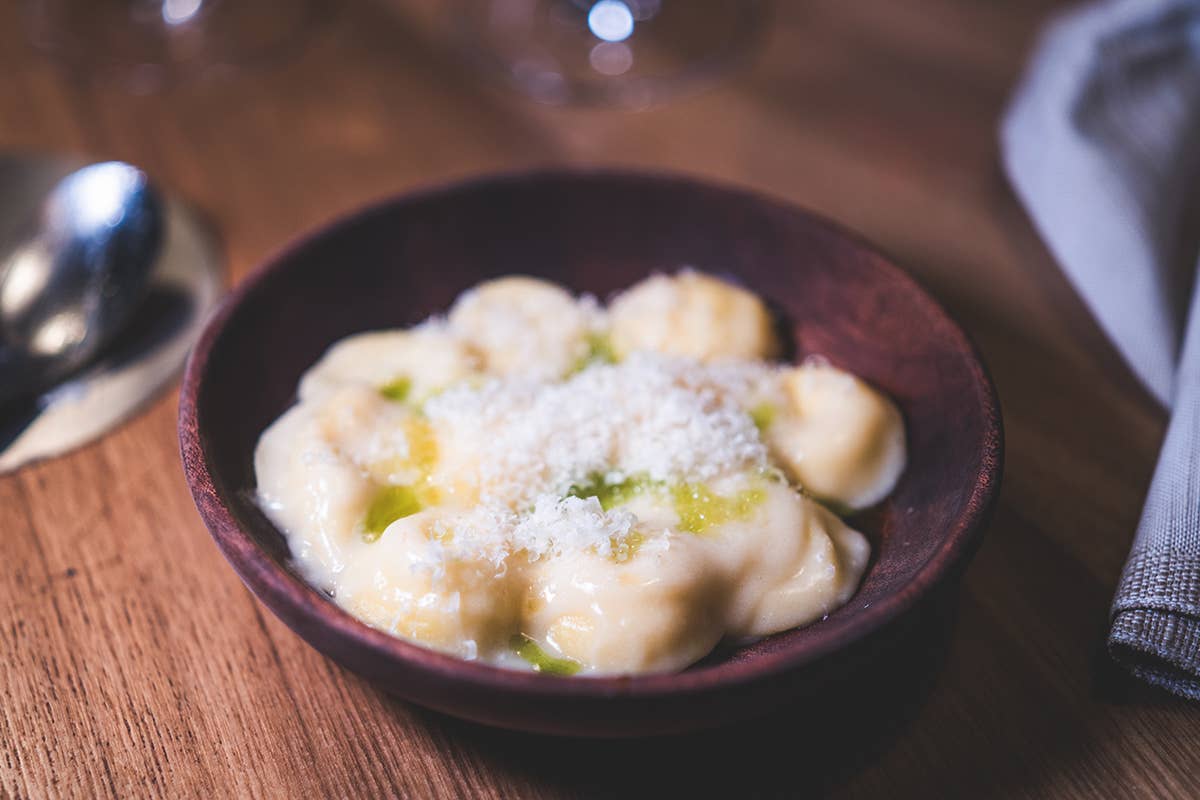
x=390, y=504
x=397, y=390
x=699, y=508
x=763, y=415
x=536, y=657
x=600, y=351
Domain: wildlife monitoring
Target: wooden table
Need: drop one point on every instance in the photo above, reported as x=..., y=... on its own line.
x=135, y=664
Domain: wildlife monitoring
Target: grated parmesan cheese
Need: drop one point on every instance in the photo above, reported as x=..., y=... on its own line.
x=650, y=416
x=523, y=443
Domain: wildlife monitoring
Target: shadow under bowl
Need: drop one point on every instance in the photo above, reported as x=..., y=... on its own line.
x=400, y=260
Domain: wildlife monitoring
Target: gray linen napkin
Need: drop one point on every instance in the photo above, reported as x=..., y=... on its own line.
x=1102, y=144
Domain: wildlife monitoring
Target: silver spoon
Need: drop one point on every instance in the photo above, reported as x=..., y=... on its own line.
x=72, y=271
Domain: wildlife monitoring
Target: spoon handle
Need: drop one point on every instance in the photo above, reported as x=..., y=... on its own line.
x=15, y=416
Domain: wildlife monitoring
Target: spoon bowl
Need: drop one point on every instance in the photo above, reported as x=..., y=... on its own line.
x=73, y=269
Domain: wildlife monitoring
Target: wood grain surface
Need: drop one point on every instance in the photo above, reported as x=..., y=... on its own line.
x=137, y=665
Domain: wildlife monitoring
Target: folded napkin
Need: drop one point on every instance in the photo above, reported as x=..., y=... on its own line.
x=1102, y=145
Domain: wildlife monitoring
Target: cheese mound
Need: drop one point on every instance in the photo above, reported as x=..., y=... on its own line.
x=518, y=439
x=505, y=485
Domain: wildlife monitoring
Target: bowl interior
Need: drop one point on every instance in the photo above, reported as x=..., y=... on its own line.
x=396, y=263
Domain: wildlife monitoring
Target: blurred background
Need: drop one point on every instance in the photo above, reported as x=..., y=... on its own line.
x=272, y=117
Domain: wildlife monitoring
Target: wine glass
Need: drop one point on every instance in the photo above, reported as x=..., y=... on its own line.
x=628, y=53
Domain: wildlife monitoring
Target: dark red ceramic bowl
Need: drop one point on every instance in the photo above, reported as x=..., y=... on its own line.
x=400, y=260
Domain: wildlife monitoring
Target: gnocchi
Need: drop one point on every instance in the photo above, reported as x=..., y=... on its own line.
x=542, y=483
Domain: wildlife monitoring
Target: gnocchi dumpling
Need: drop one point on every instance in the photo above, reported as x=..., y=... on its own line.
x=838, y=438
x=401, y=365
x=389, y=442
x=780, y=556
x=822, y=576
x=292, y=456
x=412, y=584
x=526, y=326
x=693, y=315
x=657, y=611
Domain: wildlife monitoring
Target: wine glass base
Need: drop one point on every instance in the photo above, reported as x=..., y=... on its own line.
x=145, y=45
x=632, y=54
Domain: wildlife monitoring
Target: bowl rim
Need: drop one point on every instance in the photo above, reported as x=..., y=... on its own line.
x=277, y=587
